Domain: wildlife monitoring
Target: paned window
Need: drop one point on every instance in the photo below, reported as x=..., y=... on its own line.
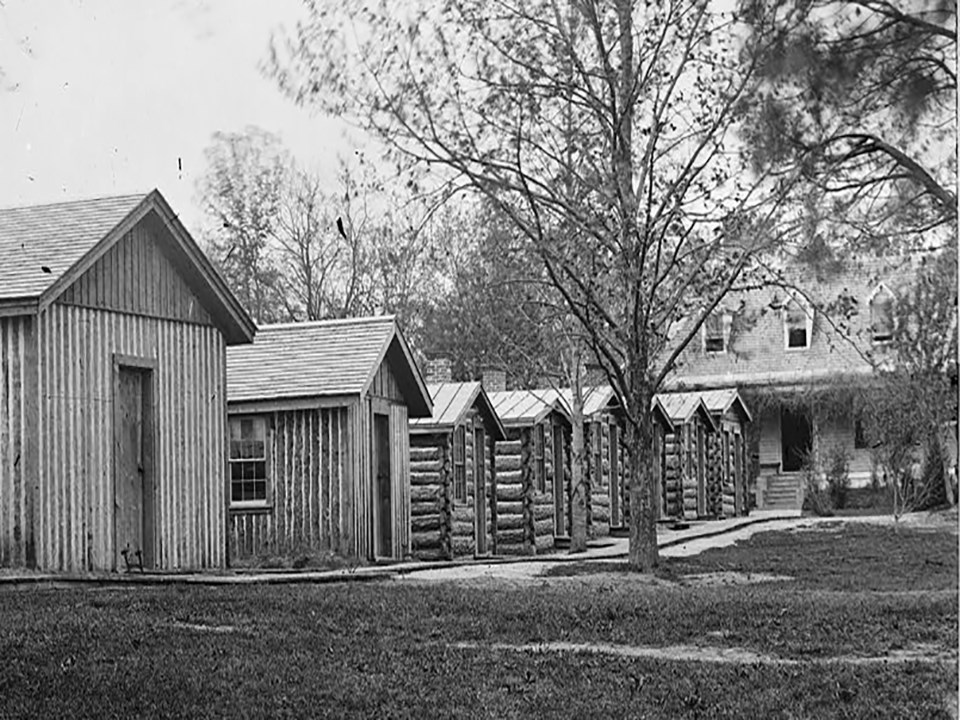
x=797, y=323
x=248, y=461
x=714, y=340
x=882, y=321
x=598, y=454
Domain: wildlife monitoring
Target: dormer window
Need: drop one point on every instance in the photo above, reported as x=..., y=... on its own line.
x=797, y=325
x=882, y=320
x=716, y=332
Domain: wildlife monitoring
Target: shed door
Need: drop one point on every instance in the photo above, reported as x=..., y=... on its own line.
x=133, y=501
x=559, y=486
x=701, y=471
x=383, y=521
x=480, y=490
x=615, y=519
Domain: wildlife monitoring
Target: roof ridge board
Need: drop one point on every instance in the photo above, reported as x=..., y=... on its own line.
x=77, y=201
x=365, y=319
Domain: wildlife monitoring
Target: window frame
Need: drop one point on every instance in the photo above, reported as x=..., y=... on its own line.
x=882, y=294
x=266, y=501
x=802, y=309
x=709, y=335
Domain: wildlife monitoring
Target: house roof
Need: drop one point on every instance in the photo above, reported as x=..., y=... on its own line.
x=527, y=407
x=682, y=407
x=723, y=400
x=840, y=343
x=451, y=403
x=47, y=247
x=324, y=358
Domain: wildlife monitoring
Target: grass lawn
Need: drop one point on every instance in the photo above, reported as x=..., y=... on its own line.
x=397, y=649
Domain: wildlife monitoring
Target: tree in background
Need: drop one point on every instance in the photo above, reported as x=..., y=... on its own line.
x=242, y=192
x=860, y=99
x=909, y=412
x=604, y=133
x=296, y=249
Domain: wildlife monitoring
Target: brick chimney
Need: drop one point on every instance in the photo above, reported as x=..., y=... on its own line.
x=439, y=370
x=493, y=379
x=595, y=375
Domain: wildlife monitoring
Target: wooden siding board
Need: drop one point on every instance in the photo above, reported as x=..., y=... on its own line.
x=75, y=474
x=135, y=276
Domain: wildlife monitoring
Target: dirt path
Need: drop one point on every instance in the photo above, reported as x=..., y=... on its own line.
x=930, y=654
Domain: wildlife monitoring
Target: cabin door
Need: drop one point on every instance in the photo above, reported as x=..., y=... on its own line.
x=383, y=517
x=480, y=491
x=134, y=520
x=615, y=519
x=560, y=528
x=701, y=471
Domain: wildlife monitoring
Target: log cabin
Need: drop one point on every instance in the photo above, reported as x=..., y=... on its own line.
x=683, y=486
x=319, y=441
x=532, y=466
x=728, y=474
x=113, y=333
x=453, y=473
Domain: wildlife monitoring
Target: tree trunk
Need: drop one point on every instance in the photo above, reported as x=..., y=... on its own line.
x=644, y=553
x=578, y=494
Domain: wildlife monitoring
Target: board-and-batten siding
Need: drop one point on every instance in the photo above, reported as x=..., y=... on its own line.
x=75, y=517
x=135, y=276
x=17, y=470
x=311, y=495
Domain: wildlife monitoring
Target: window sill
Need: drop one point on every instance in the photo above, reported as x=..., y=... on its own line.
x=258, y=509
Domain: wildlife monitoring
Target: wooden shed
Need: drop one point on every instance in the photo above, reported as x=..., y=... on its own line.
x=319, y=440
x=683, y=490
x=113, y=335
x=727, y=467
x=532, y=471
x=453, y=473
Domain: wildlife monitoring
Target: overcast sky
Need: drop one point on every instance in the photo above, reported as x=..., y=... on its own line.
x=115, y=96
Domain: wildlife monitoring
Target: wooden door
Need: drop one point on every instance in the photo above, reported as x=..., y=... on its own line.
x=701, y=471
x=134, y=520
x=383, y=520
x=560, y=528
x=480, y=490
x=615, y=519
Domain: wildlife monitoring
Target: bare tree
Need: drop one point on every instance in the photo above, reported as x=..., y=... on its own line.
x=604, y=132
x=242, y=192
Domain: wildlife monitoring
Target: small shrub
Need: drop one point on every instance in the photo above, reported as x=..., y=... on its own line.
x=816, y=498
x=838, y=475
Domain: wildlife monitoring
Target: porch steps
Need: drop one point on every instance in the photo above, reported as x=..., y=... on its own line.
x=782, y=493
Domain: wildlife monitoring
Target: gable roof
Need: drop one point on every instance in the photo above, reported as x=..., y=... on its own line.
x=596, y=399
x=324, y=358
x=721, y=401
x=451, y=403
x=757, y=354
x=682, y=407
x=47, y=247
x=516, y=408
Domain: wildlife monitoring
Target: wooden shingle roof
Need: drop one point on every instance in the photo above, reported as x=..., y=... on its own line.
x=322, y=359
x=46, y=248
x=451, y=403
x=53, y=237
x=723, y=400
x=527, y=407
